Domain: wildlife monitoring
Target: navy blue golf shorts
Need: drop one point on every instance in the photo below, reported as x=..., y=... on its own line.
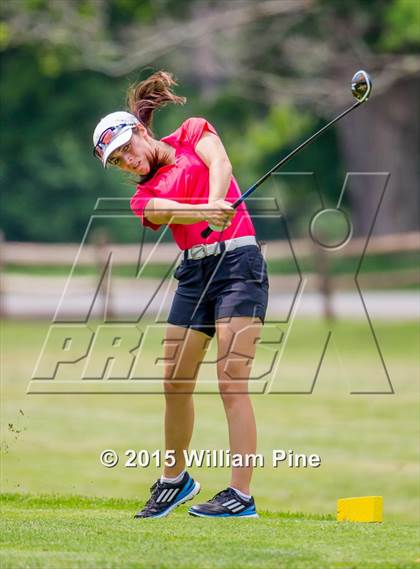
x=233, y=283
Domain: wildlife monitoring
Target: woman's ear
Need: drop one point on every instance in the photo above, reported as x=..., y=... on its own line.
x=140, y=129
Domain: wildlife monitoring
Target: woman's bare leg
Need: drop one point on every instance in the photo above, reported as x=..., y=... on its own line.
x=184, y=351
x=236, y=342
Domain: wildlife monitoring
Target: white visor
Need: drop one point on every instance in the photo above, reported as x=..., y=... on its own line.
x=123, y=137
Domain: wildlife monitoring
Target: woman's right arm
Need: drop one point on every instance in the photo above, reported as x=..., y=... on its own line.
x=162, y=211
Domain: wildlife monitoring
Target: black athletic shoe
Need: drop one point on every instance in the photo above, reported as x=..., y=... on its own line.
x=166, y=497
x=226, y=504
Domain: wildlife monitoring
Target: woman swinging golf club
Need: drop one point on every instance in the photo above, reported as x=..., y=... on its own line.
x=186, y=182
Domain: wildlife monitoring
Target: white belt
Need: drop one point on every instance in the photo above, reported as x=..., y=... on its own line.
x=204, y=250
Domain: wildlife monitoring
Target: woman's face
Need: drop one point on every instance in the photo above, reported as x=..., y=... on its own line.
x=136, y=155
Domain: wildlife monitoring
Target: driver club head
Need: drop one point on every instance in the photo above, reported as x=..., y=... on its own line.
x=361, y=86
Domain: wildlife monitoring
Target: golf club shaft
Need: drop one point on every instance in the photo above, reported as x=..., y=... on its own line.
x=207, y=231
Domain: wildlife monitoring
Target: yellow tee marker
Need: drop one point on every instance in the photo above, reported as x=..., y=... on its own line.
x=364, y=509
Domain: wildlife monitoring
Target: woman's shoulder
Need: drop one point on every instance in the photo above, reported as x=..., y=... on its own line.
x=191, y=130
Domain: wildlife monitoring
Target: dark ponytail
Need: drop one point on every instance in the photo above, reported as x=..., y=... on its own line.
x=145, y=97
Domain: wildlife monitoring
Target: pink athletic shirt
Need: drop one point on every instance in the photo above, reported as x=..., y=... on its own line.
x=187, y=182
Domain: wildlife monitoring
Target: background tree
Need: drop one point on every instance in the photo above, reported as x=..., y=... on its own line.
x=265, y=73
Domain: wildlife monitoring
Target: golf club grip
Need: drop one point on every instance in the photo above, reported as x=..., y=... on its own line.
x=207, y=231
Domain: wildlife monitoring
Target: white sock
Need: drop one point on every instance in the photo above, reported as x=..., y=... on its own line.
x=173, y=480
x=241, y=494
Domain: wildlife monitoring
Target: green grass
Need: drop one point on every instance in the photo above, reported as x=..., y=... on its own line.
x=61, y=532
x=368, y=445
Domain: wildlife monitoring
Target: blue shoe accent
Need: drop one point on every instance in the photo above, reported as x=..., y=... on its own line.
x=189, y=486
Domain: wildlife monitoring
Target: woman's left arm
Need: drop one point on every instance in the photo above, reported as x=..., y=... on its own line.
x=211, y=150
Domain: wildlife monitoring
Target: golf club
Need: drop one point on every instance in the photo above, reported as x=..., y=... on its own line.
x=361, y=87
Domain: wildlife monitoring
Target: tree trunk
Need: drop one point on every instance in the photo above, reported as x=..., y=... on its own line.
x=383, y=136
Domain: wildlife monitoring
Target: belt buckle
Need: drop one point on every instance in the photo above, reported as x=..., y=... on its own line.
x=198, y=248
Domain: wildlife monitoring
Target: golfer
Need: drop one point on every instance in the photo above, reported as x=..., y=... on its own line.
x=186, y=183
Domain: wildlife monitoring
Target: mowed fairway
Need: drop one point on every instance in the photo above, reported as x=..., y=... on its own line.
x=367, y=443
x=81, y=533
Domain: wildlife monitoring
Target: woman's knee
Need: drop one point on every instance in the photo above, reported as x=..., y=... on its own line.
x=233, y=392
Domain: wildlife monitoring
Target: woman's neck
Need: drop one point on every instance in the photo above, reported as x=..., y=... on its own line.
x=162, y=155
x=165, y=151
